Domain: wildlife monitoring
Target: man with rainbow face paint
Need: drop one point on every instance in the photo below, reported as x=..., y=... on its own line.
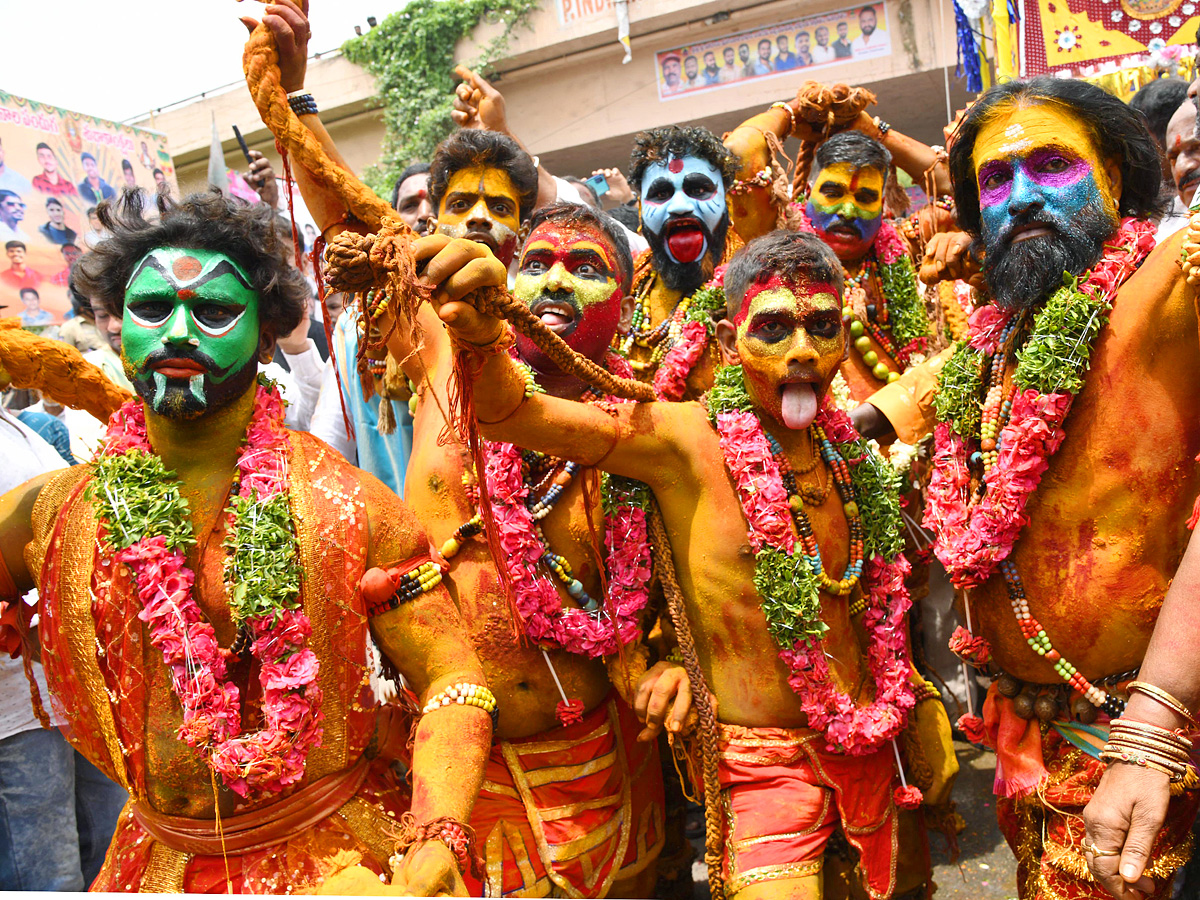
x=560, y=666
x=884, y=304
x=209, y=585
x=1065, y=433
x=792, y=583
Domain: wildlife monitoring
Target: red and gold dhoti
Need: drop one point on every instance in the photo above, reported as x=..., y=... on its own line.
x=783, y=796
x=1045, y=776
x=571, y=810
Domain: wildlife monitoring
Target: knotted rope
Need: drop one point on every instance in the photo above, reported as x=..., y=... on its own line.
x=822, y=110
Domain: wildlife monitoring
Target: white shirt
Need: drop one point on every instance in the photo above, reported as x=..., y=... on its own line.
x=822, y=54
x=25, y=456
x=874, y=45
x=1176, y=217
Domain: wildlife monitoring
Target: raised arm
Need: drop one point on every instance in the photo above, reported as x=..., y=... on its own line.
x=426, y=641
x=909, y=154
x=288, y=21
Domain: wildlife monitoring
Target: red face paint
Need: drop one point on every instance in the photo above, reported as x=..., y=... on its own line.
x=185, y=294
x=800, y=289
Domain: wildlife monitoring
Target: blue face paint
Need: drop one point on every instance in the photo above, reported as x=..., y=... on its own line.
x=1050, y=184
x=679, y=189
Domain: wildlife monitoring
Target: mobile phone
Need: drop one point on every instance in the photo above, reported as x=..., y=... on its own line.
x=242, y=143
x=597, y=183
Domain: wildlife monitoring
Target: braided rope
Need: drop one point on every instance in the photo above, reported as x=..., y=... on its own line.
x=357, y=262
x=822, y=110
x=58, y=370
x=714, y=838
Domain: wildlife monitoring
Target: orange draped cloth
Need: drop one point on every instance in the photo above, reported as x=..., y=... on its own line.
x=783, y=797
x=571, y=810
x=98, y=662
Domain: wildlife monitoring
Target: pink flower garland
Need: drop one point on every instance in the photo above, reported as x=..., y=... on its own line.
x=670, y=381
x=971, y=541
x=537, y=598
x=849, y=728
x=269, y=759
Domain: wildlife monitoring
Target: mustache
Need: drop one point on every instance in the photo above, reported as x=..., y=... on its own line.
x=191, y=354
x=687, y=276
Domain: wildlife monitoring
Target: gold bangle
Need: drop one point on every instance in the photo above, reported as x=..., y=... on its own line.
x=1145, y=746
x=1156, y=693
x=1133, y=725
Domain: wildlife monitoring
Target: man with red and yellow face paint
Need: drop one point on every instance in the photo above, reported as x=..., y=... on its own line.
x=789, y=773
x=1071, y=424
x=483, y=186
x=574, y=273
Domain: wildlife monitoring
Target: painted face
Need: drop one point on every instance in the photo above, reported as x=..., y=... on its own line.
x=482, y=204
x=569, y=279
x=846, y=208
x=678, y=196
x=791, y=342
x=1037, y=168
x=1183, y=153
x=190, y=331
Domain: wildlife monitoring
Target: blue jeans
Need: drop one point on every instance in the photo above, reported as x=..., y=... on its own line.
x=57, y=814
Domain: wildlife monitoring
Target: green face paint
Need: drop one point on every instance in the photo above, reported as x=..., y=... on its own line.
x=190, y=331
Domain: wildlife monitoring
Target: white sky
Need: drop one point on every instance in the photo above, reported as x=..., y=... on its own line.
x=116, y=59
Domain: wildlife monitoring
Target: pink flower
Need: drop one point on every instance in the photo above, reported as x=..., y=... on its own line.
x=972, y=727
x=838, y=427
x=670, y=381
x=908, y=797
x=986, y=325
x=975, y=651
x=569, y=712
x=298, y=670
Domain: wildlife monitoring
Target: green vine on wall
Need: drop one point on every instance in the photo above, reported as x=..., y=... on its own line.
x=411, y=56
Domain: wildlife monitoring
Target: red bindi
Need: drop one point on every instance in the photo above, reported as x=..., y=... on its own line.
x=185, y=294
x=186, y=268
x=675, y=165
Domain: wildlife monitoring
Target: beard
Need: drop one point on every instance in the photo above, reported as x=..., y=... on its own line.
x=1021, y=274
x=178, y=398
x=687, y=277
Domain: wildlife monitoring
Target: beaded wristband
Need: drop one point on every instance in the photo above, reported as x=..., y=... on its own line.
x=1154, y=692
x=413, y=583
x=779, y=104
x=303, y=104
x=883, y=127
x=465, y=694
x=925, y=691
x=857, y=606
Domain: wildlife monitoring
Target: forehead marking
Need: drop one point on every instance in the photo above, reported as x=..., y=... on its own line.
x=675, y=165
x=186, y=268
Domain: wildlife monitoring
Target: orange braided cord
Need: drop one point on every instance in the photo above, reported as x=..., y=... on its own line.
x=58, y=370
x=385, y=262
x=260, y=61
x=822, y=110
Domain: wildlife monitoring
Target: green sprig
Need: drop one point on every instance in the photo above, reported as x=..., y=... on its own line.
x=262, y=565
x=137, y=497
x=1058, y=353
x=728, y=393
x=707, y=307
x=960, y=383
x=789, y=592
x=906, y=309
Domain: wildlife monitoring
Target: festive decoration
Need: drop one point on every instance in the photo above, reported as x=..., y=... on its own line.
x=147, y=527
x=974, y=651
x=968, y=53
x=789, y=582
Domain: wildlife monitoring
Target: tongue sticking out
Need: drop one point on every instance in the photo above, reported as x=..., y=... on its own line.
x=799, y=406
x=686, y=244
x=551, y=318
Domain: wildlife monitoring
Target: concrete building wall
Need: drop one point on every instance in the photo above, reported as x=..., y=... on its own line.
x=574, y=104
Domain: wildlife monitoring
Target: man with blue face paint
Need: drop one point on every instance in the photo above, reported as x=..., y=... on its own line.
x=1064, y=482
x=681, y=175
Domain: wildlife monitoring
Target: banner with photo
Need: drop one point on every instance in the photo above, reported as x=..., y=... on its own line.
x=55, y=167
x=859, y=32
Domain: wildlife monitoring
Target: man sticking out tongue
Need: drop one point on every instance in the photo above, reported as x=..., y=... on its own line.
x=793, y=587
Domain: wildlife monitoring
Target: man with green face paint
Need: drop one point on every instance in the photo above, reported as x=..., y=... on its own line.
x=223, y=679
x=190, y=334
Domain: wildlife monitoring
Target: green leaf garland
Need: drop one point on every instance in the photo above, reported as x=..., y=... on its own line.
x=137, y=496
x=1057, y=356
x=707, y=301
x=906, y=309
x=262, y=555
x=960, y=384
x=789, y=592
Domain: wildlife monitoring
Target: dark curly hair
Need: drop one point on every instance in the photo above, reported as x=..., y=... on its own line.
x=855, y=148
x=249, y=234
x=796, y=255
x=657, y=144
x=472, y=147
x=1119, y=132
x=576, y=214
